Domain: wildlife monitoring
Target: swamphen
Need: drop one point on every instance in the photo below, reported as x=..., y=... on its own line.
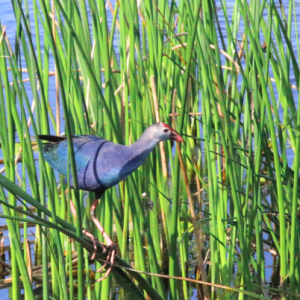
x=101, y=164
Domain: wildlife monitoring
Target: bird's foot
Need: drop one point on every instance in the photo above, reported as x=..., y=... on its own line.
x=94, y=241
x=110, y=248
x=110, y=260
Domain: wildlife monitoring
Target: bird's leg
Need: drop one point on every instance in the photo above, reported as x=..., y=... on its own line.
x=88, y=234
x=110, y=259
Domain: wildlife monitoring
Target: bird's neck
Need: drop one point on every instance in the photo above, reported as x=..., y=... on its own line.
x=144, y=145
x=139, y=151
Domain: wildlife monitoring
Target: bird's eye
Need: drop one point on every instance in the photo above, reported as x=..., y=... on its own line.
x=166, y=130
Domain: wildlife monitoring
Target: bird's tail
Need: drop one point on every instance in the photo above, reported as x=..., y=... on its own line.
x=52, y=138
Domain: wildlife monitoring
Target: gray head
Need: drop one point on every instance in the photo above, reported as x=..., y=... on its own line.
x=162, y=132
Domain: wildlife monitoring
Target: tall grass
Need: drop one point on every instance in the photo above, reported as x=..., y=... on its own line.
x=212, y=209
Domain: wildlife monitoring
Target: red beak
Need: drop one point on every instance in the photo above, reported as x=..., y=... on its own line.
x=175, y=136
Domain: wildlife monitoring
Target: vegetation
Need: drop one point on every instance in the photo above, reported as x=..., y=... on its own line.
x=220, y=208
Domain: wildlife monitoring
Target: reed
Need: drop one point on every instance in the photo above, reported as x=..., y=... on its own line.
x=219, y=208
